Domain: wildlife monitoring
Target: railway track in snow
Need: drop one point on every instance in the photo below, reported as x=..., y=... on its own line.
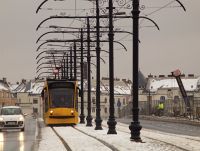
x=69, y=136
x=67, y=147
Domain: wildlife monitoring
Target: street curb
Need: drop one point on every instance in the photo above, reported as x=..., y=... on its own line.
x=37, y=135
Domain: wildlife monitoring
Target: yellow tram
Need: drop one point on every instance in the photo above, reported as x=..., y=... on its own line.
x=60, y=102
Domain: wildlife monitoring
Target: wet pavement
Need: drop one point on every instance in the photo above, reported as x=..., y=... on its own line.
x=16, y=140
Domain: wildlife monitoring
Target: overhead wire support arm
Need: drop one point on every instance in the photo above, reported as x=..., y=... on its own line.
x=181, y=5
x=62, y=32
x=74, y=17
x=76, y=40
x=151, y=21
x=40, y=6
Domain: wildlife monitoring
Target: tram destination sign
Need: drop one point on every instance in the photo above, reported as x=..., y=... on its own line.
x=54, y=85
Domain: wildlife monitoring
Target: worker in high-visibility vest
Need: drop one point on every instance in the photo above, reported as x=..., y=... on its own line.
x=160, y=108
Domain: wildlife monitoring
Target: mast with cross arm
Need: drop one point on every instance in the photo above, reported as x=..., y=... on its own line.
x=177, y=75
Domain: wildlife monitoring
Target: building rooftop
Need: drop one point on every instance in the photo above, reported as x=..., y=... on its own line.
x=190, y=83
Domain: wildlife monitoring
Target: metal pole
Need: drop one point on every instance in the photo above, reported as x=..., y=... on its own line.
x=62, y=71
x=193, y=106
x=64, y=74
x=149, y=102
x=82, y=116
x=59, y=73
x=135, y=126
x=74, y=60
x=98, y=120
x=89, y=117
x=70, y=62
x=111, y=121
x=67, y=67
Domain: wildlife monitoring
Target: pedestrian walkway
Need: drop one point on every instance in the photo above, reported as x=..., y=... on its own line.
x=82, y=138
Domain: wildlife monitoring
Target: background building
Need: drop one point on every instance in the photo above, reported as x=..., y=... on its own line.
x=6, y=96
x=165, y=89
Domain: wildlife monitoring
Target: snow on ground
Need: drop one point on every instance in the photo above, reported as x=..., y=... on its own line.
x=152, y=140
x=181, y=141
x=78, y=140
x=50, y=141
x=122, y=142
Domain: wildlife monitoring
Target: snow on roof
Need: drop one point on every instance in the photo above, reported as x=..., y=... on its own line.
x=120, y=87
x=2, y=87
x=21, y=88
x=36, y=87
x=13, y=86
x=190, y=84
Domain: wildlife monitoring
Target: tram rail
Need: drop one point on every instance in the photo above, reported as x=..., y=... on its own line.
x=71, y=128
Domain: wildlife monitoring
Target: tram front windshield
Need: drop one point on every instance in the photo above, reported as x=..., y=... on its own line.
x=62, y=97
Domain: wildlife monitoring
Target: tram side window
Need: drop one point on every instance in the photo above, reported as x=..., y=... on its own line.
x=76, y=102
x=46, y=102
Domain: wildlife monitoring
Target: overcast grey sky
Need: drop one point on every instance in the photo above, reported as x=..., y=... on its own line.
x=176, y=45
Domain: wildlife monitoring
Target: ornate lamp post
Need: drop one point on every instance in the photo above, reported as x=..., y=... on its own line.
x=70, y=62
x=75, y=61
x=135, y=126
x=89, y=117
x=67, y=67
x=82, y=116
x=111, y=121
x=98, y=49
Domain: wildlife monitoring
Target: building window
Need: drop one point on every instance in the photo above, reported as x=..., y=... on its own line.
x=105, y=100
x=35, y=101
x=105, y=110
x=93, y=109
x=124, y=101
x=176, y=99
x=162, y=98
x=5, y=95
x=93, y=100
x=35, y=110
x=119, y=103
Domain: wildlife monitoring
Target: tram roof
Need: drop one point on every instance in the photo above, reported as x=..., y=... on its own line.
x=60, y=80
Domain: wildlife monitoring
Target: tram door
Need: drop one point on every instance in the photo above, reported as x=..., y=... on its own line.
x=45, y=99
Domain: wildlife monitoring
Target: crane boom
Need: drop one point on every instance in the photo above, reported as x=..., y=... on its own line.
x=177, y=75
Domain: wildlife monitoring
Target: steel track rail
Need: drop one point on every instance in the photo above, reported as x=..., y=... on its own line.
x=62, y=140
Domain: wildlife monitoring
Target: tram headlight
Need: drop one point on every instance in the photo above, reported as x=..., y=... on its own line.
x=51, y=112
x=72, y=112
